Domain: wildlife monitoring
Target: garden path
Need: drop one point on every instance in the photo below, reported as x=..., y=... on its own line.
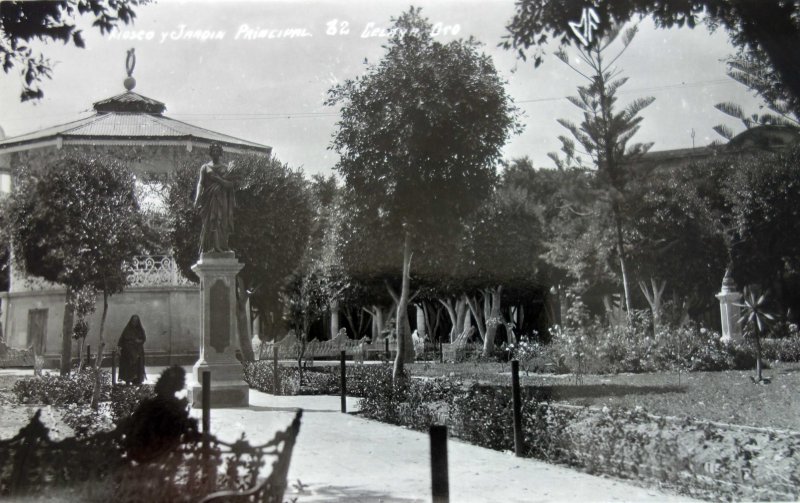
x=346, y=458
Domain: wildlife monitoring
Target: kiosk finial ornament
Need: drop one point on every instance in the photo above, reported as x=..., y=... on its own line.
x=130, y=63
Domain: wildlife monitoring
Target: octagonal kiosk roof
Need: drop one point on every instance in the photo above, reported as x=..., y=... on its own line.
x=129, y=119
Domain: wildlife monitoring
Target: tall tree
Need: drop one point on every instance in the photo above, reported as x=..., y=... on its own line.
x=24, y=22
x=762, y=192
x=770, y=26
x=605, y=133
x=418, y=137
x=75, y=223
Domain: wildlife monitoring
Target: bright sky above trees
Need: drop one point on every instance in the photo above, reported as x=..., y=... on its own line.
x=272, y=90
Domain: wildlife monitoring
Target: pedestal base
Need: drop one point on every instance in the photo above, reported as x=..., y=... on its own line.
x=227, y=387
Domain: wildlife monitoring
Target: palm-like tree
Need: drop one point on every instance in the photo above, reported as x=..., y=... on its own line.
x=755, y=320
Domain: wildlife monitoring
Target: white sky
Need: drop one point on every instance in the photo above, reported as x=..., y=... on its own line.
x=271, y=90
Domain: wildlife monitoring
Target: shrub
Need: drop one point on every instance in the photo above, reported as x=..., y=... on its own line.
x=86, y=421
x=786, y=349
x=412, y=402
x=316, y=380
x=381, y=399
x=621, y=348
x=75, y=388
x=260, y=375
x=362, y=378
x=125, y=399
x=482, y=416
x=706, y=460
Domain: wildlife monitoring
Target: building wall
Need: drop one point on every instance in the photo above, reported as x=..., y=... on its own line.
x=170, y=316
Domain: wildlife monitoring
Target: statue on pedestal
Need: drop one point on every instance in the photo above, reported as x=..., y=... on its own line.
x=217, y=269
x=216, y=201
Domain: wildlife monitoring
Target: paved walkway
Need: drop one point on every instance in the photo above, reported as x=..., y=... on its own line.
x=345, y=458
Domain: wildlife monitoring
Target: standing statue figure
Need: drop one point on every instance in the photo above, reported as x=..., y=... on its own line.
x=215, y=200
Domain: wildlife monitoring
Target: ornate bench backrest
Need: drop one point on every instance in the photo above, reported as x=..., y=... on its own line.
x=97, y=468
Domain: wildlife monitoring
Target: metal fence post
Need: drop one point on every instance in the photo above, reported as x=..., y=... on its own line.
x=343, y=385
x=206, y=403
x=440, y=485
x=114, y=367
x=518, y=441
x=275, y=376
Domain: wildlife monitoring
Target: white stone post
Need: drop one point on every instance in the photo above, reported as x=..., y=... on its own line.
x=422, y=330
x=218, y=336
x=730, y=312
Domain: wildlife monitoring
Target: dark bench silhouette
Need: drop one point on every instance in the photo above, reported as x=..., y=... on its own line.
x=97, y=468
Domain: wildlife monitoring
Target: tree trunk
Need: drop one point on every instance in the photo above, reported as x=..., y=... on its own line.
x=478, y=315
x=66, y=334
x=758, y=354
x=376, y=323
x=491, y=318
x=100, y=346
x=405, y=346
x=432, y=326
x=458, y=315
x=654, y=299
x=622, y=261
x=451, y=312
x=243, y=321
x=334, y=318
x=380, y=322
x=81, y=353
x=348, y=316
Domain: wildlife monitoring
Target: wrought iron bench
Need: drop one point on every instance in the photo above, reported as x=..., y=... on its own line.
x=97, y=468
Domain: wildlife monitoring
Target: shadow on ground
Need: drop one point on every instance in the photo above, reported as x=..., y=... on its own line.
x=331, y=494
x=571, y=391
x=262, y=408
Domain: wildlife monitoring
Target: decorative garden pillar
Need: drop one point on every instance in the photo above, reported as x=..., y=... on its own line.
x=218, y=335
x=730, y=312
x=422, y=330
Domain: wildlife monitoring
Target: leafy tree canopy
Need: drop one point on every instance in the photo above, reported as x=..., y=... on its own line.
x=421, y=130
x=75, y=222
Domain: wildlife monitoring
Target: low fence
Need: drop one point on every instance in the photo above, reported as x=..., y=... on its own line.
x=10, y=357
x=290, y=347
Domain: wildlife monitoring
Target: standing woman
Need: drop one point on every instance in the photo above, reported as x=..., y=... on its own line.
x=131, y=356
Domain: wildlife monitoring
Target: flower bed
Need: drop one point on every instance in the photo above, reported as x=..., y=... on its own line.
x=72, y=394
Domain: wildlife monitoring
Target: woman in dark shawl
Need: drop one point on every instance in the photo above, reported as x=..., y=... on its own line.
x=131, y=356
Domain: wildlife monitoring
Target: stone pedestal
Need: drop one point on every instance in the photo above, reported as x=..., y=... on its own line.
x=218, y=335
x=730, y=312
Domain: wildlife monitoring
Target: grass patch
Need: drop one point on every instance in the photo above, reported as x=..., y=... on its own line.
x=726, y=396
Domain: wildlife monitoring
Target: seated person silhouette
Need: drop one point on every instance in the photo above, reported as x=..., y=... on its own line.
x=161, y=422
